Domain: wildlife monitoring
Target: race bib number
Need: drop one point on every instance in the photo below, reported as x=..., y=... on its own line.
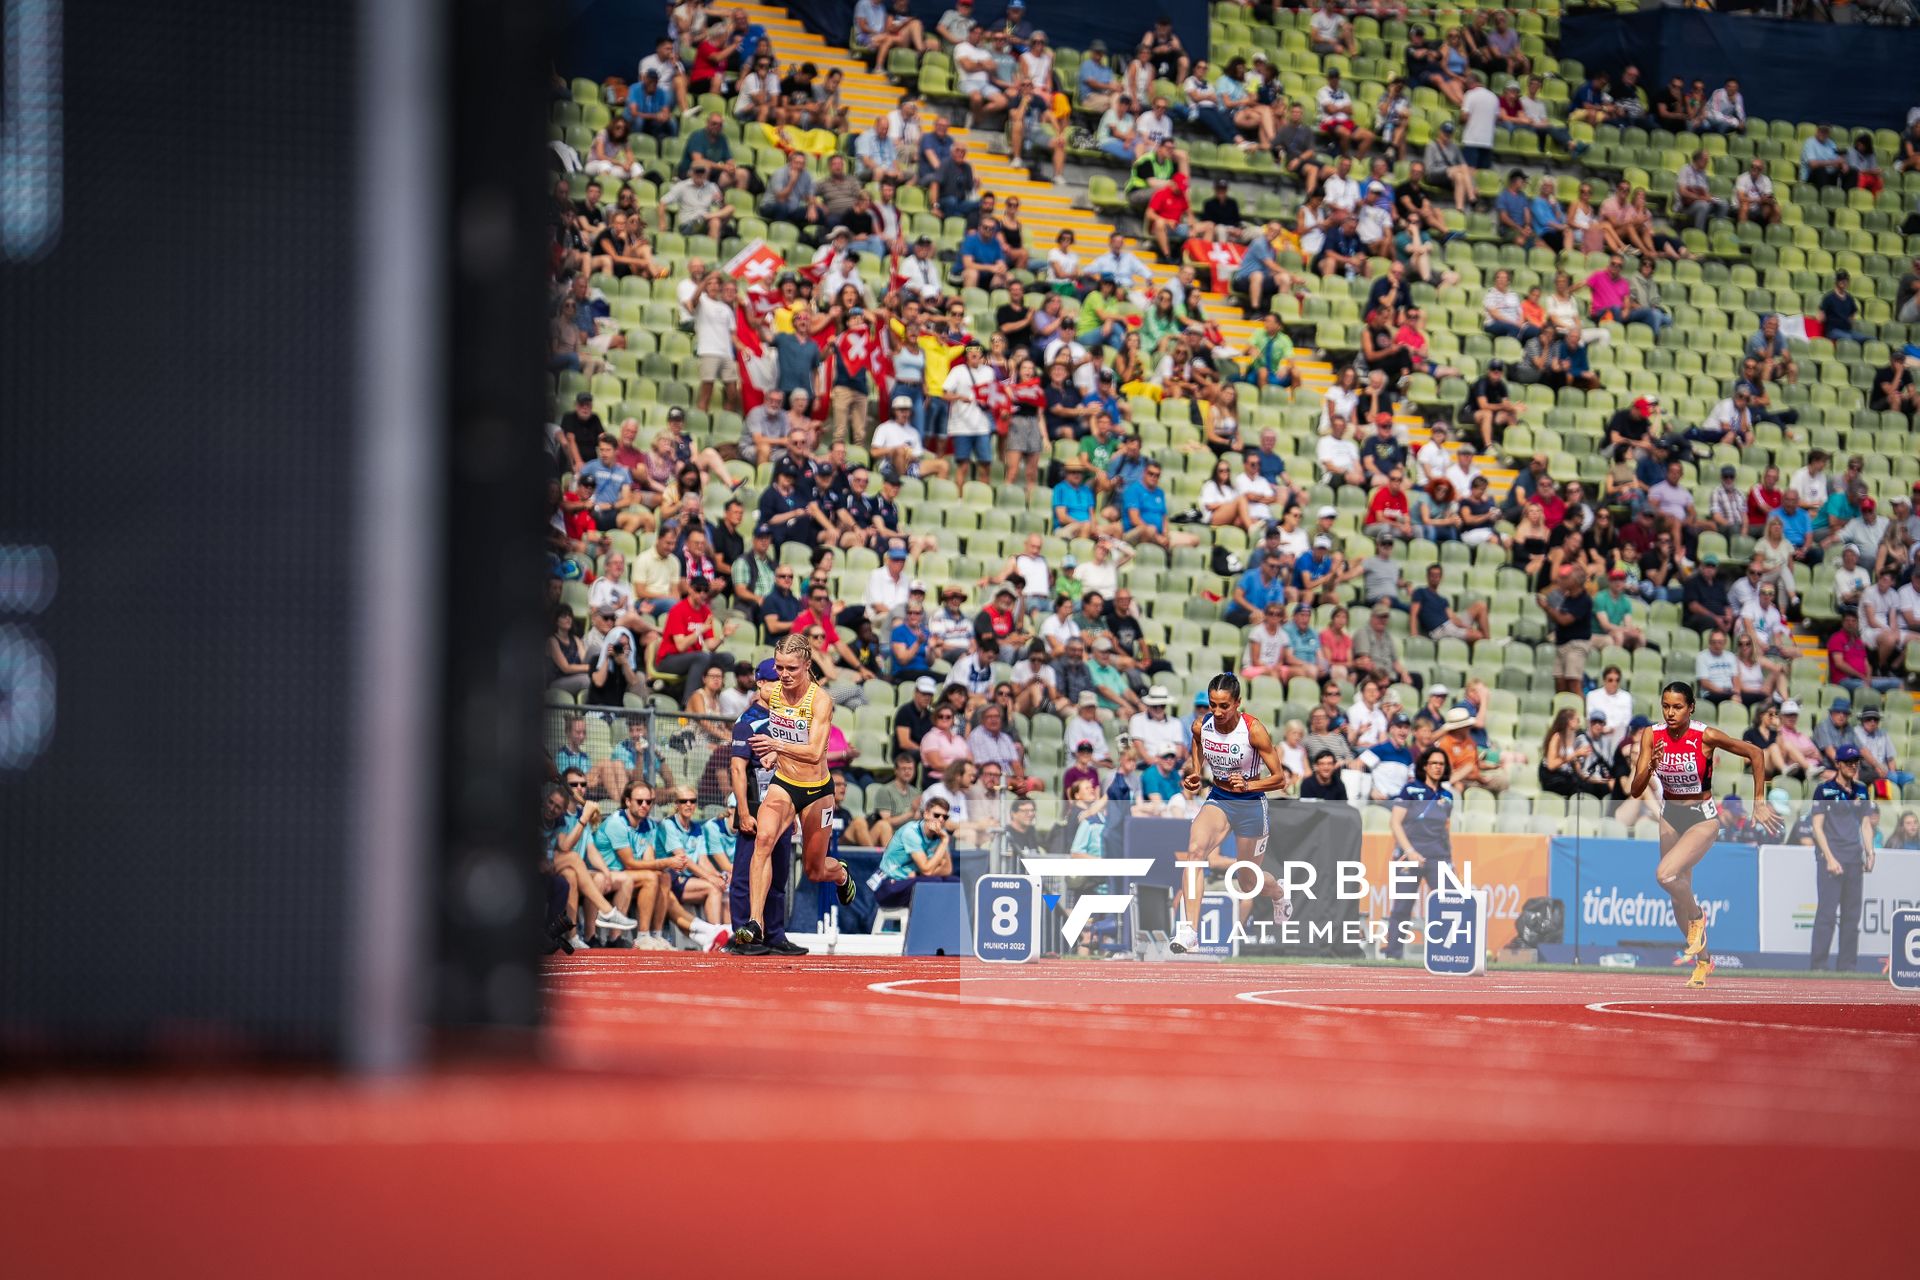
x=787, y=728
x=1680, y=776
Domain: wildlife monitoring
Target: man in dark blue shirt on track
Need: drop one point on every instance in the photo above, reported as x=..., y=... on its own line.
x=1843, y=820
x=1421, y=820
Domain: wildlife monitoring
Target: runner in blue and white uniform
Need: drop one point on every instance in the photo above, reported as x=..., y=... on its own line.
x=1237, y=753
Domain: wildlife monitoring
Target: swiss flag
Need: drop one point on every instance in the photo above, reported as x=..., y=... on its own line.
x=756, y=265
x=759, y=370
x=854, y=348
x=1219, y=258
x=1802, y=328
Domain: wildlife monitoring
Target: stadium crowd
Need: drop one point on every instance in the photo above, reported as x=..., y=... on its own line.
x=1355, y=551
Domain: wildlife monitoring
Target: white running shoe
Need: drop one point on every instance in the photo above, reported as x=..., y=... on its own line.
x=702, y=933
x=611, y=919
x=579, y=943
x=1184, y=938
x=653, y=942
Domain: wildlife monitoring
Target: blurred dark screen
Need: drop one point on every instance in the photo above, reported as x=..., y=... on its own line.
x=176, y=391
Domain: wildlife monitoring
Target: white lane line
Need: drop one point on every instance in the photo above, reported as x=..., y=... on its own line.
x=898, y=985
x=1614, y=1006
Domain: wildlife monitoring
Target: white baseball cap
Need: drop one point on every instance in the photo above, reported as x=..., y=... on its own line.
x=1328, y=513
x=1789, y=708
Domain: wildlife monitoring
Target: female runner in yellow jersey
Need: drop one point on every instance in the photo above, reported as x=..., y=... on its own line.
x=794, y=745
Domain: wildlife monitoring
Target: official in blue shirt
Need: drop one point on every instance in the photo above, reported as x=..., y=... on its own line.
x=750, y=780
x=1421, y=820
x=1843, y=820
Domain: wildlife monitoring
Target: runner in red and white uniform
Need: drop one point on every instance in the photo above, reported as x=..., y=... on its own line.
x=1680, y=753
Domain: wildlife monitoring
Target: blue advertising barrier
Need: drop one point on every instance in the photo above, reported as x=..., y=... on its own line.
x=810, y=902
x=1614, y=902
x=938, y=924
x=1845, y=74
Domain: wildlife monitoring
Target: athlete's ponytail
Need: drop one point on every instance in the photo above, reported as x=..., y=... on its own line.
x=1226, y=682
x=1680, y=687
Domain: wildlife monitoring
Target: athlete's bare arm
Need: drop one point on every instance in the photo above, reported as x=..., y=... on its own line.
x=1649, y=756
x=1715, y=740
x=1196, y=774
x=1277, y=779
x=742, y=815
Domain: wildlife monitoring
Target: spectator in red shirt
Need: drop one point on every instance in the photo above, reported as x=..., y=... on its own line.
x=1167, y=214
x=818, y=613
x=1763, y=500
x=1000, y=618
x=1387, y=514
x=690, y=640
x=1847, y=653
x=1552, y=505
x=1638, y=534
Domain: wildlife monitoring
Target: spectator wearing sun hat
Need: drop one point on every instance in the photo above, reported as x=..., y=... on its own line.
x=1154, y=726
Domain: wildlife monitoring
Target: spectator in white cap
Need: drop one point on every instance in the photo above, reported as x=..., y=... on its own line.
x=1611, y=701
x=898, y=443
x=1796, y=748
x=888, y=584
x=1153, y=727
x=1084, y=726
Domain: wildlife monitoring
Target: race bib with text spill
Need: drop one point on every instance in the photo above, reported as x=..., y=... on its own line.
x=786, y=728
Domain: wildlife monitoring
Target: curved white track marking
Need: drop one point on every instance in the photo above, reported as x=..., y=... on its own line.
x=1267, y=998
x=1612, y=1006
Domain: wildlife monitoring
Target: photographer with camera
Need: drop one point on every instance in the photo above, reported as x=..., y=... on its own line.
x=919, y=852
x=617, y=672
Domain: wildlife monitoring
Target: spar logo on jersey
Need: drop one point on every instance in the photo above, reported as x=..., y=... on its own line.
x=1089, y=905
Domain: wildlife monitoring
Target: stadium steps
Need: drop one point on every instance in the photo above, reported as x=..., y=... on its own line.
x=1046, y=210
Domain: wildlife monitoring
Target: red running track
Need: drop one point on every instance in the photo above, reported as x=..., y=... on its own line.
x=943, y=1118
